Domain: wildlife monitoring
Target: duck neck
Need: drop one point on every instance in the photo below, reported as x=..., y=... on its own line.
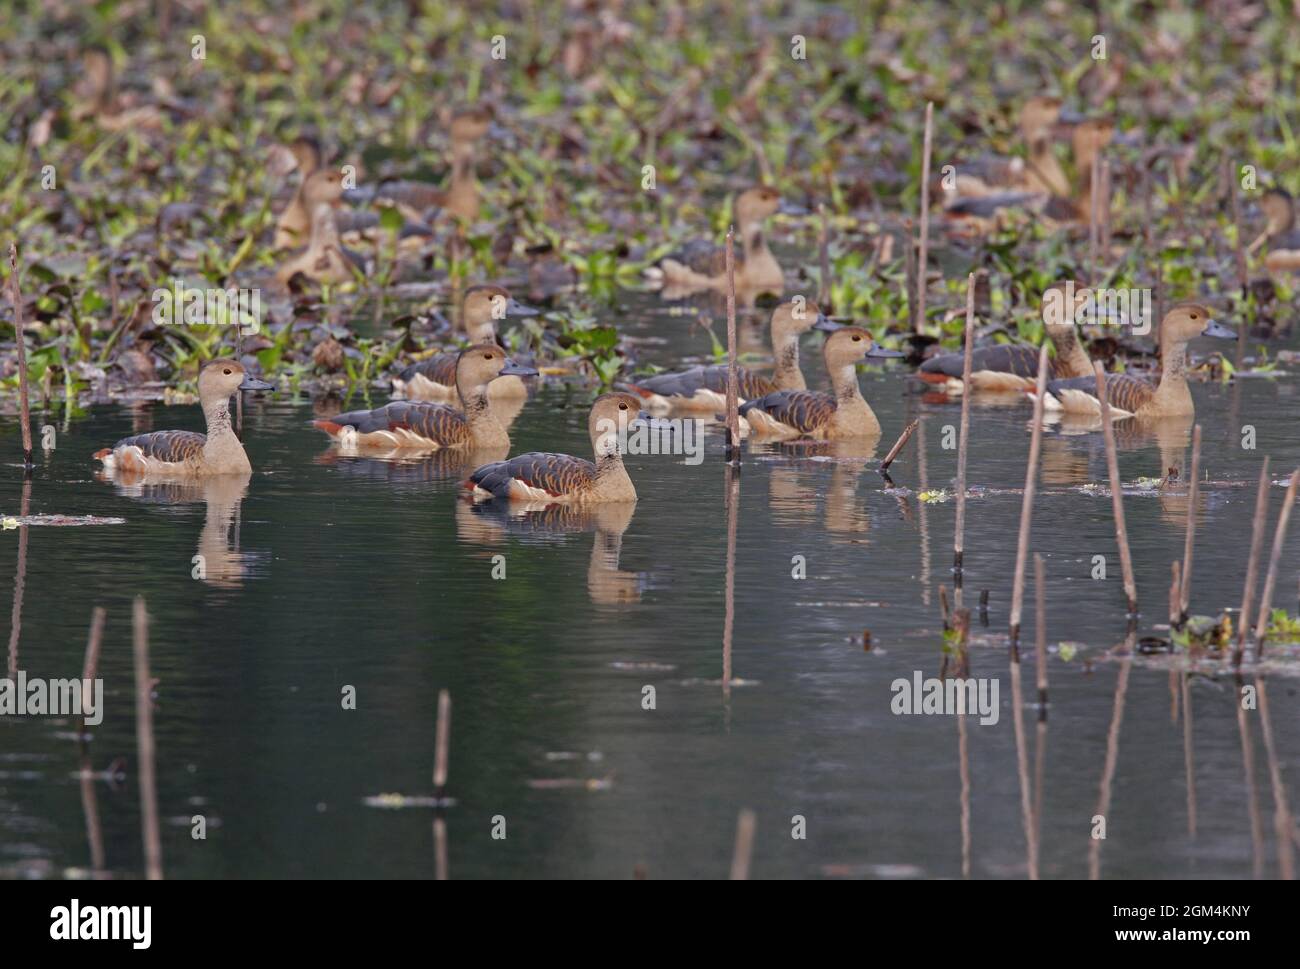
x=483, y=424
x=612, y=480
x=1071, y=359
x=222, y=447
x=787, y=375
x=1173, y=393
x=324, y=230
x=752, y=242
x=844, y=384
x=1045, y=171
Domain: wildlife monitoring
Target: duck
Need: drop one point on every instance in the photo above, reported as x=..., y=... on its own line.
x=1013, y=367
x=1088, y=138
x=1038, y=172
x=838, y=415
x=431, y=426
x=704, y=388
x=293, y=226
x=435, y=377
x=702, y=264
x=1133, y=396
x=189, y=453
x=1281, y=234
x=460, y=199
x=562, y=478
x=325, y=259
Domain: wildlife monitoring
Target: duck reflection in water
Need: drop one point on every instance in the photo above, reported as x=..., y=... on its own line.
x=218, y=560
x=491, y=523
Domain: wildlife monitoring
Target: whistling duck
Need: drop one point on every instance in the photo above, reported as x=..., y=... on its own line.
x=460, y=198
x=702, y=264
x=100, y=100
x=1088, y=139
x=1132, y=396
x=423, y=424
x=844, y=413
x=1281, y=234
x=1039, y=172
x=1013, y=367
x=704, y=388
x=435, y=378
x=293, y=227
x=325, y=259
x=549, y=478
x=188, y=452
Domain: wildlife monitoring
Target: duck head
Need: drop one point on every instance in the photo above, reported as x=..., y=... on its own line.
x=220, y=379
x=484, y=306
x=610, y=414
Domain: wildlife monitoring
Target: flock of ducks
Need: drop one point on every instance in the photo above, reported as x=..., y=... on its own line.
x=466, y=400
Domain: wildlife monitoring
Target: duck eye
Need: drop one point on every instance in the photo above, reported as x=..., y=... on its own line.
x=1193, y=316
x=622, y=406
x=227, y=371
x=857, y=339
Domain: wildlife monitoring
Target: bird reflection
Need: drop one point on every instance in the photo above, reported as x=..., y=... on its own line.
x=491, y=522
x=218, y=559
x=793, y=482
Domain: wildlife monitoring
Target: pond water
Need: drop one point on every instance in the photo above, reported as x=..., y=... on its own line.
x=336, y=571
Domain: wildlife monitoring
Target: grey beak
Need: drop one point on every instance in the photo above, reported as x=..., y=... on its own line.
x=789, y=208
x=826, y=324
x=1069, y=116
x=497, y=130
x=879, y=351
x=516, y=308
x=358, y=196
x=512, y=369
x=1218, y=330
x=252, y=383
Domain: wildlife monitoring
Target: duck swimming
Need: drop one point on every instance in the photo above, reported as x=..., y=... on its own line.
x=704, y=388
x=423, y=424
x=1281, y=234
x=843, y=413
x=702, y=264
x=1013, y=367
x=1132, y=396
x=546, y=477
x=189, y=453
x=435, y=377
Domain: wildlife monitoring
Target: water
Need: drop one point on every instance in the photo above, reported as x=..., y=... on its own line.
x=340, y=572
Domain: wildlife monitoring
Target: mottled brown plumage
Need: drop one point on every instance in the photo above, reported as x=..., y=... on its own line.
x=189, y=452
x=169, y=446
x=541, y=476
x=429, y=425
x=806, y=411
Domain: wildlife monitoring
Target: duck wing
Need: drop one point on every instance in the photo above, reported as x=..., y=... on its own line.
x=441, y=369
x=555, y=474
x=803, y=410
x=1014, y=358
x=173, y=447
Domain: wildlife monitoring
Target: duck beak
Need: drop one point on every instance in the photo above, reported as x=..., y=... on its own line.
x=789, y=208
x=878, y=351
x=252, y=383
x=826, y=324
x=358, y=196
x=1069, y=116
x=1218, y=330
x=512, y=369
x=516, y=308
